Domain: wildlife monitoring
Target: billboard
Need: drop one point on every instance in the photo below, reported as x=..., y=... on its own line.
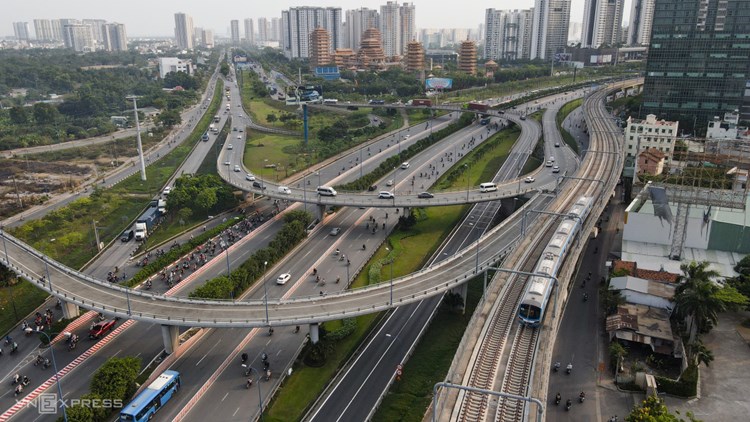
x=438, y=83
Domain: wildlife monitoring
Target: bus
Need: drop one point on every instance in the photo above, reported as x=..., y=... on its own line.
x=330, y=101
x=143, y=407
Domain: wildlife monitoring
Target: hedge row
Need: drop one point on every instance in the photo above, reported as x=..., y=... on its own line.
x=388, y=165
x=686, y=386
x=348, y=325
x=241, y=279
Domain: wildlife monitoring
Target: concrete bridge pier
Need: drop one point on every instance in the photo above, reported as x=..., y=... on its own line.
x=70, y=310
x=314, y=333
x=171, y=336
x=462, y=291
x=320, y=212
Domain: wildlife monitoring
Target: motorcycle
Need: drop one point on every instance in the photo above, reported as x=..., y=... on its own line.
x=568, y=404
x=16, y=379
x=569, y=368
x=581, y=397
x=249, y=383
x=556, y=367
x=558, y=398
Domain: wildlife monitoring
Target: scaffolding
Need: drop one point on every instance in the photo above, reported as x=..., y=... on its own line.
x=700, y=176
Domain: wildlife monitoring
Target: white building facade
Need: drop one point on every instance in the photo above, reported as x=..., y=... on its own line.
x=650, y=133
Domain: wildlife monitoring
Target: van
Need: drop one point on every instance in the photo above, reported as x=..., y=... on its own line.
x=487, y=187
x=285, y=190
x=326, y=191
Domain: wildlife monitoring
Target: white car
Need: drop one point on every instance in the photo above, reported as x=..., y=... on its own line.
x=237, y=168
x=283, y=279
x=529, y=179
x=285, y=190
x=405, y=165
x=389, y=183
x=230, y=146
x=385, y=195
x=249, y=177
x=556, y=169
x=167, y=190
x=227, y=163
x=239, y=137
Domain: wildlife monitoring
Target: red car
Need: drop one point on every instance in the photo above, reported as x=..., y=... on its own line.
x=101, y=328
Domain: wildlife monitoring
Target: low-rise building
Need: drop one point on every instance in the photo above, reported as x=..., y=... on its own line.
x=639, y=291
x=641, y=135
x=651, y=161
x=174, y=64
x=646, y=325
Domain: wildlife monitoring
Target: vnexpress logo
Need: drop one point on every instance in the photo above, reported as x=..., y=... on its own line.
x=46, y=403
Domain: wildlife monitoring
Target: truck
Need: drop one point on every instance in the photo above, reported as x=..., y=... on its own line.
x=160, y=205
x=422, y=102
x=478, y=106
x=145, y=223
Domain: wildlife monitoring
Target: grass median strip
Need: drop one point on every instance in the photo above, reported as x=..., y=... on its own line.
x=560, y=118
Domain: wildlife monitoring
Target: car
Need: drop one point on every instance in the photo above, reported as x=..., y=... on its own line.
x=239, y=137
x=425, y=195
x=405, y=165
x=556, y=169
x=237, y=168
x=230, y=146
x=522, y=117
x=552, y=159
x=249, y=177
x=227, y=163
x=101, y=328
x=529, y=179
x=385, y=195
x=372, y=188
x=127, y=235
x=167, y=190
x=241, y=130
x=258, y=185
x=335, y=231
x=389, y=183
x=285, y=190
x=234, y=129
x=549, y=163
x=557, y=145
x=283, y=279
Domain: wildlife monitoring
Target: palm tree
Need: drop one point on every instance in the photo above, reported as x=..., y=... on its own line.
x=693, y=273
x=698, y=302
x=699, y=353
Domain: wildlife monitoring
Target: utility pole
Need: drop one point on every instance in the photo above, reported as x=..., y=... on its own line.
x=18, y=196
x=138, y=136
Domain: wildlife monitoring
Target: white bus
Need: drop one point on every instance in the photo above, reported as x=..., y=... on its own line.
x=330, y=101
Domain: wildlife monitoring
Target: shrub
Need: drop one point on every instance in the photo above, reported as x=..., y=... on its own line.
x=685, y=386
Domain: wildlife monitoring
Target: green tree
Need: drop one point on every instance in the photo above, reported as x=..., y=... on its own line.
x=7, y=277
x=77, y=413
x=184, y=214
x=698, y=353
x=115, y=380
x=206, y=199
x=700, y=305
x=693, y=273
x=271, y=118
x=169, y=118
x=653, y=409
x=224, y=69
x=616, y=353
x=18, y=115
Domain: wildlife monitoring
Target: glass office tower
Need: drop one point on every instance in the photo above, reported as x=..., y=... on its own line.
x=698, y=63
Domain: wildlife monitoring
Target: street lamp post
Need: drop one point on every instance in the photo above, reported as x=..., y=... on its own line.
x=265, y=289
x=226, y=249
x=260, y=396
x=57, y=377
x=391, y=288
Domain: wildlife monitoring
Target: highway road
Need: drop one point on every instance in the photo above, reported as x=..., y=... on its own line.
x=356, y=394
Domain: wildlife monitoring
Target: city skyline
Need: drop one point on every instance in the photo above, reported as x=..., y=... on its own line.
x=160, y=19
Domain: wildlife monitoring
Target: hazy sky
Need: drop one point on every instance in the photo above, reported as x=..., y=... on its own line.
x=156, y=17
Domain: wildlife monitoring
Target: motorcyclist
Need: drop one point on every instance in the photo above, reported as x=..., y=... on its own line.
x=569, y=368
x=249, y=382
x=244, y=357
x=25, y=380
x=582, y=396
x=557, y=366
x=568, y=404
x=16, y=378
x=585, y=297
x=558, y=398
x=19, y=389
x=364, y=246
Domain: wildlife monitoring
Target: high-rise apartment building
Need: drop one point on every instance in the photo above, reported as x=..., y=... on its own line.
x=234, y=25
x=602, y=23
x=298, y=22
x=357, y=22
x=249, y=31
x=56, y=29
x=390, y=28
x=79, y=37
x=114, y=37
x=507, y=34
x=207, y=38
x=275, y=34
x=551, y=19
x=263, y=30
x=96, y=29
x=641, y=19
x=43, y=30
x=698, y=62
x=21, y=31
x=407, y=26
x=183, y=30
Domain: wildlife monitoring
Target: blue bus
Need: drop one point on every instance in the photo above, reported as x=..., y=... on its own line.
x=143, y=407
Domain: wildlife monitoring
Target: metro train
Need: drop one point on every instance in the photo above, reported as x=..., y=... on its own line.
x=536, y=297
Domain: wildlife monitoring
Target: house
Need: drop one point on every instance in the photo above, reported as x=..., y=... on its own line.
x=640, y=291
x=631, y=268
x=650, y=133
x=651, y=161
x=646, y=325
